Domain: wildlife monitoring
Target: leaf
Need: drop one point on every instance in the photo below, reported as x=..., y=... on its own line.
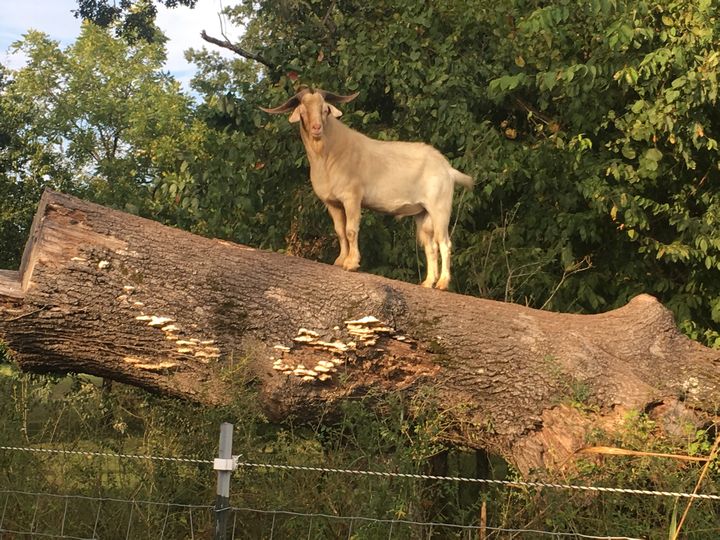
x=628, y=152
x=638, y=106
x=654, y=155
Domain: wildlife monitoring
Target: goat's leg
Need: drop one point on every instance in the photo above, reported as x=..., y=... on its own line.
x=445, y=254
x=352, y=228
x=426, y=239
x=441, y=237
x=337, y=213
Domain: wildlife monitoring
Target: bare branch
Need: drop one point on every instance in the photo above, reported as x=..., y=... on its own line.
x=580, y=266
x=226, y=44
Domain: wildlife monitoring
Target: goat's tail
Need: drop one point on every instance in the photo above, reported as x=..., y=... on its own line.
x=463, y=179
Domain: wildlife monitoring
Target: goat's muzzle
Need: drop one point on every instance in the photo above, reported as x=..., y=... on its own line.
x=316, y=130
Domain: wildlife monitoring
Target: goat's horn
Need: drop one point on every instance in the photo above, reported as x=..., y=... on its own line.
x=288, y=105
x=336, y=98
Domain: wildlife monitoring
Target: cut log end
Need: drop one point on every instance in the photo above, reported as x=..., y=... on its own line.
x=10, y=286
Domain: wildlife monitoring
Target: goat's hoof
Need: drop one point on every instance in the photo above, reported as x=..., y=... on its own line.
x=350, y=266
x=442, y=284
x=340, y=261
x=427, y=284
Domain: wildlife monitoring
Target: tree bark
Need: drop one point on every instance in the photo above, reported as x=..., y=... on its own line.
x=111, y=294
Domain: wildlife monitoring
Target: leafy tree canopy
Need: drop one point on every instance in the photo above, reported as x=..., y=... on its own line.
x=132, y=19
x=96, y=119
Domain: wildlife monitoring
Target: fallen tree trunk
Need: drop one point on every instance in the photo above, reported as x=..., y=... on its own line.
x=114, y=295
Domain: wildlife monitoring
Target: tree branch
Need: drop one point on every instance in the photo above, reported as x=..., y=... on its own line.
x=226, y=44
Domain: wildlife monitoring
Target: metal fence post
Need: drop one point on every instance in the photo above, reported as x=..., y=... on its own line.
x=224, y=464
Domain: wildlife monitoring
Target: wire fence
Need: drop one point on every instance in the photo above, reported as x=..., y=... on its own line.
x=28, y=513
x=192, y=521
x=385, y=474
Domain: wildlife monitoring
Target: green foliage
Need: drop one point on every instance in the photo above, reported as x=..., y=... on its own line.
x=131, y=19
x=95, y=120
x=635, y=83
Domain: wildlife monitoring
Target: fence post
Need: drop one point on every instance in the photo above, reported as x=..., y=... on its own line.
x=224, y=465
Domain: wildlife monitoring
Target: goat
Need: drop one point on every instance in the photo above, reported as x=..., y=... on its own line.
x=350, y=171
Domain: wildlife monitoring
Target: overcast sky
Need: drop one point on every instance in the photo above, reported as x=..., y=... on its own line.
x=182, y=26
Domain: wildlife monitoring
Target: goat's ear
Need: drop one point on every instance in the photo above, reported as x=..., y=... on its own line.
x=337, y=113
x=295, y=116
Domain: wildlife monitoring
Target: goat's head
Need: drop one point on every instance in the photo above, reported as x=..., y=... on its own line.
x=312, y=108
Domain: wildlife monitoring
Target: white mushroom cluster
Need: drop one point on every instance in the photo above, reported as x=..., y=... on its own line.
x=322, y=371
x=368, y=329
x=203, y=350
x=364, y=331
x=148, y=366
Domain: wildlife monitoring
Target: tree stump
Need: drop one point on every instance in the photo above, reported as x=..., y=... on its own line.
x=122, y=297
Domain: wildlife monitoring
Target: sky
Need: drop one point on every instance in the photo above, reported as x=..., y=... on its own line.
x=182, y=26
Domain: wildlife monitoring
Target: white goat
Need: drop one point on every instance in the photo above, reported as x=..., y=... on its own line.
x=349, y=170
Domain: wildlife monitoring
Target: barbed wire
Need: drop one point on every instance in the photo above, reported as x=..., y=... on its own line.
x=106, y=454
x=384, y=474
x=508, y=483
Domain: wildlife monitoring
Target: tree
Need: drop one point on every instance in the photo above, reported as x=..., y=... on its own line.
x=119, y=296
x=99, y=118
x=131, y=19
x=622, y=97
x=27, y=166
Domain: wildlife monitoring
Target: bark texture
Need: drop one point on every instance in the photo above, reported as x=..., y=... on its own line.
x=103, y=292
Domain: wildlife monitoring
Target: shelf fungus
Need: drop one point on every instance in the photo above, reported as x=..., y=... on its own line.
x=363, y=331
x=320, y=372
x=144, y=364
x=322, y=369
x=158, y=320
x=156, y=367
x=306, y=332
x=368, y=329
x=279, y=365
x=208, y=354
